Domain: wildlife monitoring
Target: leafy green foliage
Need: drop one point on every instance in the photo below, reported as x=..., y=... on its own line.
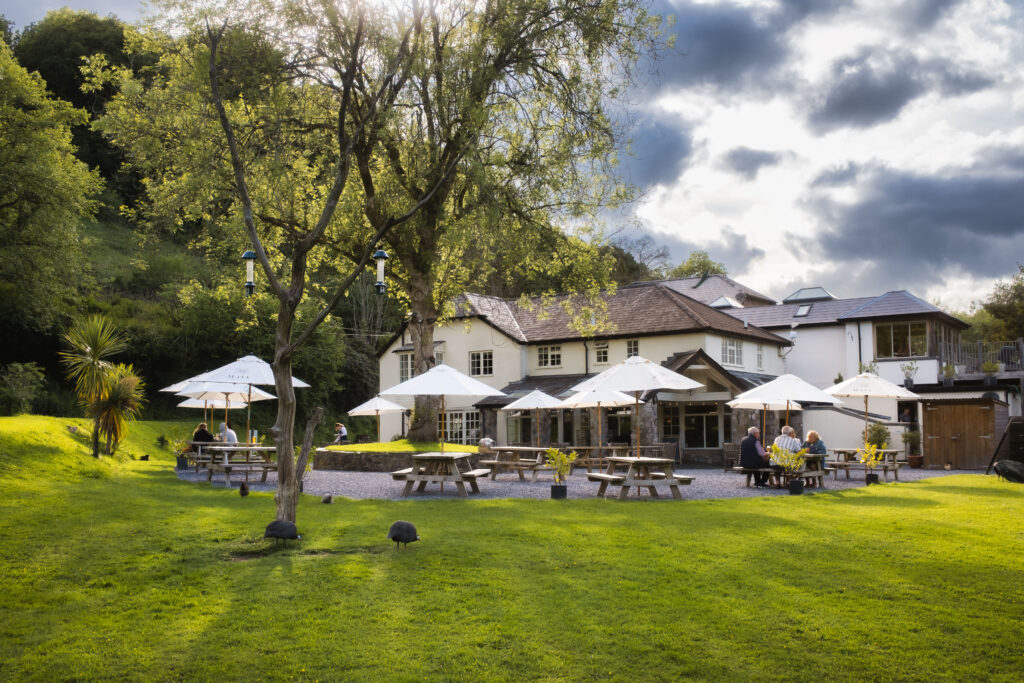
x=561, y=462
x=863, y=582
x=877, y=434
x=120, y=404
x=19, y=385
x=44, y=191
x=788, y=460
x=1006, y=304
x=698, y=263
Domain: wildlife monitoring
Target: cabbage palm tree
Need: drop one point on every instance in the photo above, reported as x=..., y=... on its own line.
x=92, y=341
x=120, y=404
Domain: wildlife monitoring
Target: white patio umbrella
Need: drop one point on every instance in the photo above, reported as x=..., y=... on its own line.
x=214, y=405
x=598, y=398
x=869, y=385
x=247, y=370
x=229, y=392
x=536, y=401
x=637, y=375
x=444, y=382
x=782, y=393
x=376, y=406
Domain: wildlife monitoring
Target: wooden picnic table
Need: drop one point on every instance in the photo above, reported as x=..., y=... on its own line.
x=596, y=457
x=847, y=458
x=225, y=459
x=519, y=459
x=438, y=468
x=639, y=472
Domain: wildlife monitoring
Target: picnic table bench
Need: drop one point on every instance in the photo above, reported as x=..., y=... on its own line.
x=848, y=458
x=438, y=468
x=639, y=472
x=517, y=459
x=226, y=468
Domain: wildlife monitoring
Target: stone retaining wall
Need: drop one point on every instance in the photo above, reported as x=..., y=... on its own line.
x=366, y=461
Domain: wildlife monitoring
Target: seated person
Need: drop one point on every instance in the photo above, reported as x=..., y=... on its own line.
x=201, y=435
x=787, y=440
x=227, y=434
x=486, y=445
x=814, y=444
x=340, y=434
x=752, y=456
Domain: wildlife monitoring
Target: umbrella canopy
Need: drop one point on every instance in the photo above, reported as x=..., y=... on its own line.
x=444, y=382
x=782, y=393
x=636, y=375
x=599, y=398
x=376, y=406
x=212, y=391
x=214, y=405
x=536, y=401
x=869, y=385
x=247, y=370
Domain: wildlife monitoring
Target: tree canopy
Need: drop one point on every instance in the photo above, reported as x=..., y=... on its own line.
x=1006, y=304
x=698, y=264
x=45, y=191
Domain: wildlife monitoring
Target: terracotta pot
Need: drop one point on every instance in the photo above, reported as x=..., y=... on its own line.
x=915, y=461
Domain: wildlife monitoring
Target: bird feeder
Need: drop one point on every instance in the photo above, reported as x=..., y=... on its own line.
x=250, y=259
x=381, y=256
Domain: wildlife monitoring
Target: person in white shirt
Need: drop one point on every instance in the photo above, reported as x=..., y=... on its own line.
x=787, y=440
x=227, y=434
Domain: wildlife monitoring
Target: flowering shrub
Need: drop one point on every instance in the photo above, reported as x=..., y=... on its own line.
x=787, y=459
x=560, y=462
x=871, y=454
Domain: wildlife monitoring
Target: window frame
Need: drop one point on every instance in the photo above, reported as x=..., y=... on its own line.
x=406, y=366
x=732, y=352
x=549, y=356
x=485, y=362
x=906, y=327
x=600, y=349
x=632, y=348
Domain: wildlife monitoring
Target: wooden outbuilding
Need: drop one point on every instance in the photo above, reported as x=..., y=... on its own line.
x=961, y=431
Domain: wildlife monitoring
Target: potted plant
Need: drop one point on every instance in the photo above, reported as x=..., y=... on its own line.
x=948, y=373
x=561, y=463
x=870, y=456
x=912, y=439
x=990, y=368
x=909, y=371
x=791, y=463
x=181, y=447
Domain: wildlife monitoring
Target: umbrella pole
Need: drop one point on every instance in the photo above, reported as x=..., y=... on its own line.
x=865, y=422
x=248, y=417
x=599, y=444
x=787, y=411
x=378, y=426
x=764, y=421
x=442, y=423
x=636, y=428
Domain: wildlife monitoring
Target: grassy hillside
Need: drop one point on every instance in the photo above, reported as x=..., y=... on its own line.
x=118, y=570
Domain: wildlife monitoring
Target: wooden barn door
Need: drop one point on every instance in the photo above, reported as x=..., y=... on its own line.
x=962, y=434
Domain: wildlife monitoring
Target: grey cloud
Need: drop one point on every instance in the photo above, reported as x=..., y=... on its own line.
x=910, y=229
x=870, y=88
x=918, y=15
x=748, y=162
x=736, y=252
x=720, y=45
x=837, y=175
x=874, y=86
x=659, y=152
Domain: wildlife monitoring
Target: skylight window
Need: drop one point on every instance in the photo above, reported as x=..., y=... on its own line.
x=802, y=311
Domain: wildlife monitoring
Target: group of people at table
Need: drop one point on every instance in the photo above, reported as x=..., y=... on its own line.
x=754, y=456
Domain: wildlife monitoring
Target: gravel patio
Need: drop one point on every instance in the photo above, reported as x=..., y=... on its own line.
x=709, y=482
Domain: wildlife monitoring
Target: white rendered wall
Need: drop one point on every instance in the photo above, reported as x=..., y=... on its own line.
x=818, y=355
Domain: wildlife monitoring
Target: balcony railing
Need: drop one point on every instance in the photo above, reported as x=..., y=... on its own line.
x=968, y=357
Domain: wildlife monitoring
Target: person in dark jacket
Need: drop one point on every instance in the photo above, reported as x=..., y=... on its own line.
x=752, y=455
x=202, y=434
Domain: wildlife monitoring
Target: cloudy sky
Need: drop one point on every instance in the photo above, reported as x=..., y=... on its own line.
x=860, y=145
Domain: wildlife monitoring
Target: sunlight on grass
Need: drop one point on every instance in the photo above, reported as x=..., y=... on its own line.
x=135, y=575
x=405, y=446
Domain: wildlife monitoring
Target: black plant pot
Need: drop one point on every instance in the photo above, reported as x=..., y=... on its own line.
x=947, y=381
x=559, y=491
x=989, y=380
x=796, y=487
x=182, y=463
x=872, y=478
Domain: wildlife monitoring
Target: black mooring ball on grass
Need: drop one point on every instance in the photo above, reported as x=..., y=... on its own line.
x=403, y=532
x=326, y=499
x=281, y=529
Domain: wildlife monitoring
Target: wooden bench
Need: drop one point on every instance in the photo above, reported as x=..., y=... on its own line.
x=400, y=475
x=226, y=468
x=473, y=474
x=605, y=479
x=682, y=479
x=834, y=467
x=519, y=466
x=751, y=471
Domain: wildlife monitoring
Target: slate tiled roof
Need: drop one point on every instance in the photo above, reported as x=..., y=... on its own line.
x=707, y=289
x=496, y=311
x=783, y=315
x=890, y=304
x=894, y=303
x=552, y=385
x=640, y=310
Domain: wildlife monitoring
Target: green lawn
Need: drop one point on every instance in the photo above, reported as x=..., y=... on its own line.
x=116, y=570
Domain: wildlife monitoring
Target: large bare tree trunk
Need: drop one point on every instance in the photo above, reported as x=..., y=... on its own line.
x=421, y=328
